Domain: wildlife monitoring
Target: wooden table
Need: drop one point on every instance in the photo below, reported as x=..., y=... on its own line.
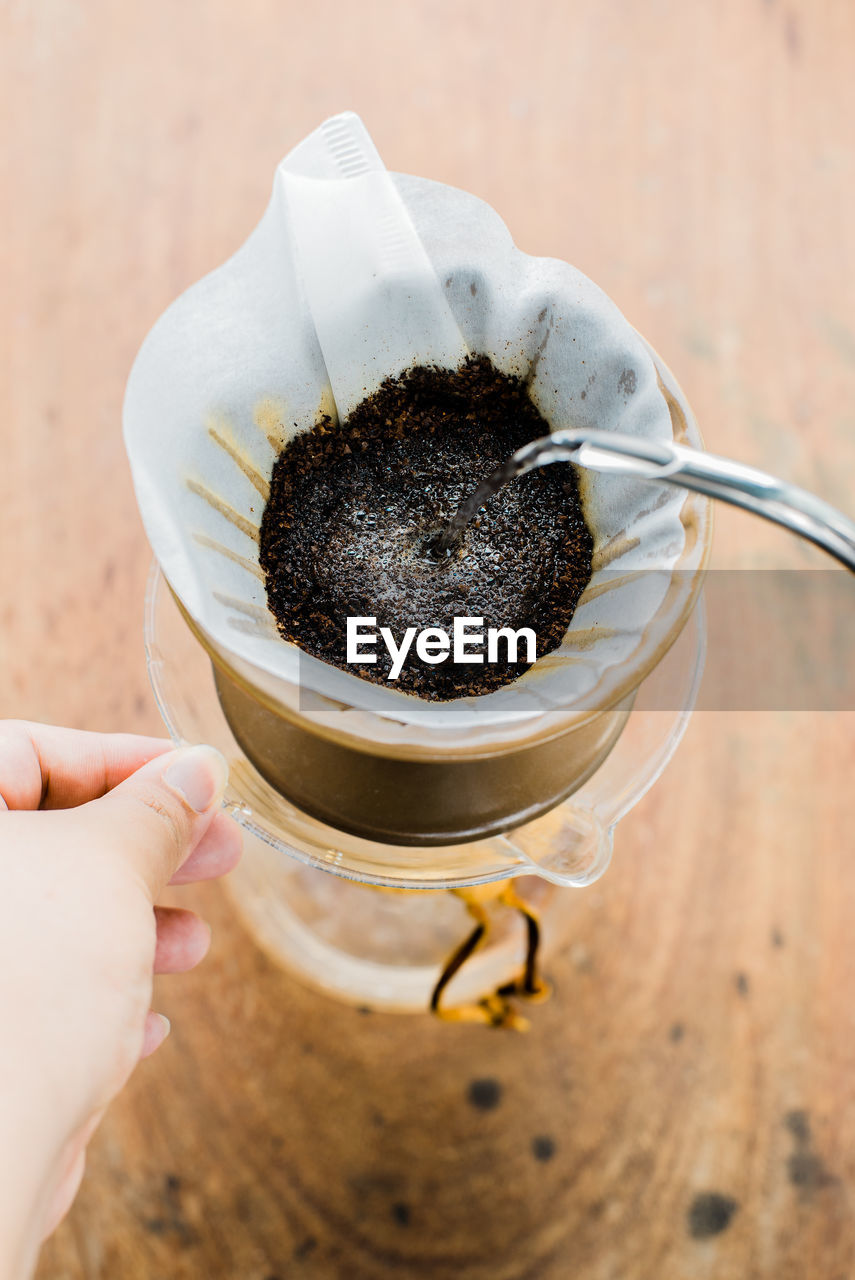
x=684, y=1106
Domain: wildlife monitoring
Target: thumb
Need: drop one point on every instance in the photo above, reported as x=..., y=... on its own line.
x=158, y=815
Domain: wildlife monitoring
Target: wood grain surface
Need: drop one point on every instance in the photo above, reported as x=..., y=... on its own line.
x=684, y=1105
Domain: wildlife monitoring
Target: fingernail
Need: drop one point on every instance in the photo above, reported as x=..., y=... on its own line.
x=199, y=775
x=167, y=1025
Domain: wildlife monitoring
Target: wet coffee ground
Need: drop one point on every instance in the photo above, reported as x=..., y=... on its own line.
x=355, y=511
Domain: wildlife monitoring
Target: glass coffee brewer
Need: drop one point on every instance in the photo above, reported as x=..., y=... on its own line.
x=364, y=806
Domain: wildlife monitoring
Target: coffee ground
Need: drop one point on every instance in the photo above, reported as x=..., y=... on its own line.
x=356, y=508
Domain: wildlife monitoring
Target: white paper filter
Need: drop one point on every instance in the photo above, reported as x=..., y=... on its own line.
x=351, y=275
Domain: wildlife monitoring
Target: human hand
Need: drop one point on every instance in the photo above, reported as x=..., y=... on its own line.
x=119, y=817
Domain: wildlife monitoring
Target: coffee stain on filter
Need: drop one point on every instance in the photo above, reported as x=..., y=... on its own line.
x=617, y=546
x=211, y=543
x=225, y=509
x=221, y=433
